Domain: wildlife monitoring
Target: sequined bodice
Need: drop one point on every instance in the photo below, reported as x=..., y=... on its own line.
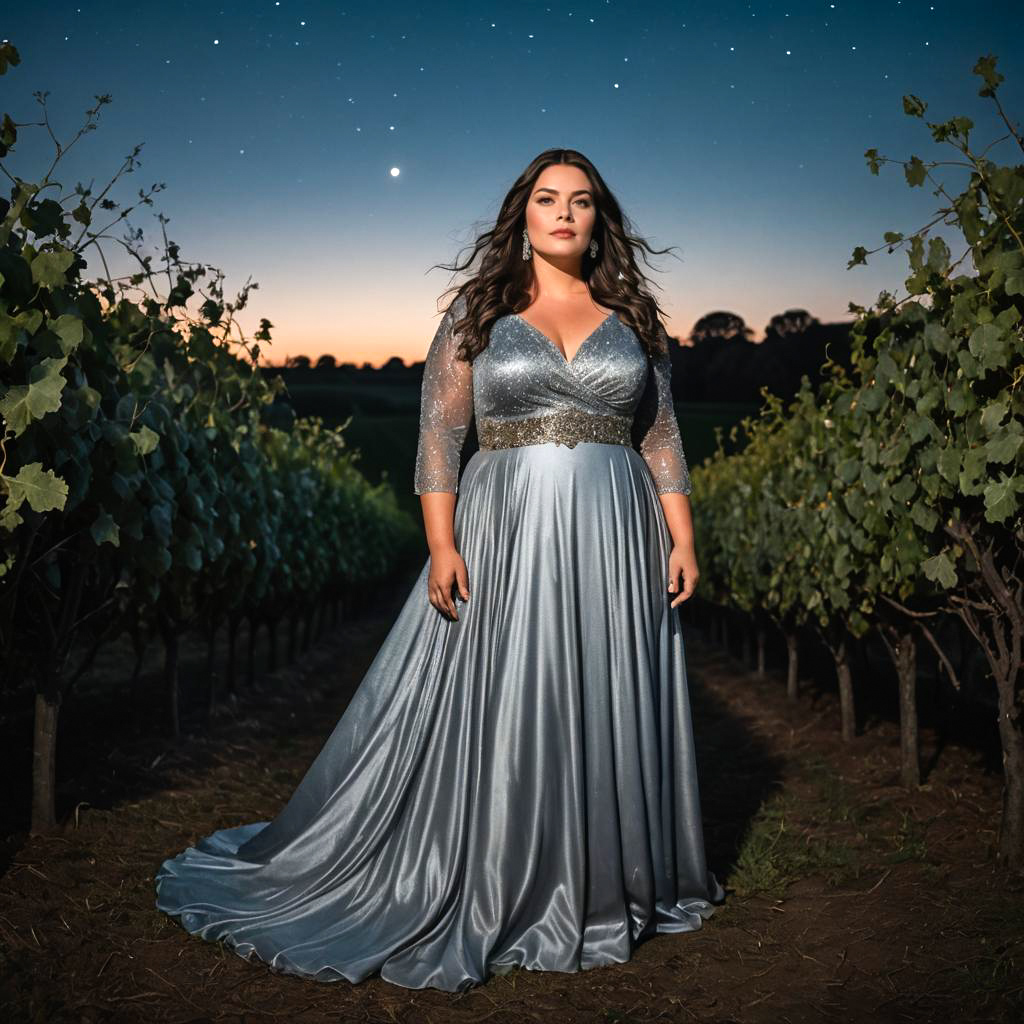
x=522, y=374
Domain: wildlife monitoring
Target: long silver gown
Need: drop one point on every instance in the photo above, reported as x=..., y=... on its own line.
x=518, y=787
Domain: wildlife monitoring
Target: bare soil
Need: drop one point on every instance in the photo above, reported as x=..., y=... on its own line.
x=849, y=898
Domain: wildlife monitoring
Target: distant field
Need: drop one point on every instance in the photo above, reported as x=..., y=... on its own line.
x=385, y=421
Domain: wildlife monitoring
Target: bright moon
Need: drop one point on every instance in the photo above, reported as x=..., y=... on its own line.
x=395, y=172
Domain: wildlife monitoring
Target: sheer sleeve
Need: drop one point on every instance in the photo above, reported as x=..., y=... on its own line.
x=656, y=430
x=446, y=409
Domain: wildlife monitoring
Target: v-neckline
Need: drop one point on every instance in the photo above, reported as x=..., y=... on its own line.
x=558, y=351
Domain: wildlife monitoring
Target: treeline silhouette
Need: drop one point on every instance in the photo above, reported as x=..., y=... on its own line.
x=717, y=362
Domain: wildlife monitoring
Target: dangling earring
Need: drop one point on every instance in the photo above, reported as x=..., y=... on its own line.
x=527, y=251
x=593, y=248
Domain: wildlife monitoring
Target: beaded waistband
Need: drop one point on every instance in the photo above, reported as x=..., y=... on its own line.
x=568, y=427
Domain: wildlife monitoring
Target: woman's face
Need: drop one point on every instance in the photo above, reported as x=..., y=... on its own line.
x=561, y=201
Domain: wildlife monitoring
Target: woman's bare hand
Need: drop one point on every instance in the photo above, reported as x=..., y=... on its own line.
x=682, y=560
x=447, y=568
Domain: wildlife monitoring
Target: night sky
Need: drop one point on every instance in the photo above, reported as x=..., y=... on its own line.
x=733, y=131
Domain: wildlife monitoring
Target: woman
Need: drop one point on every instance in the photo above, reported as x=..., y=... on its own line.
x=513, y=783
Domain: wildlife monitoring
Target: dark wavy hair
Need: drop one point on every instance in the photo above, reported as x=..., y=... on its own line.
x=502, y=284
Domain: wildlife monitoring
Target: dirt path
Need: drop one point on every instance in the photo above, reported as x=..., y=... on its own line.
x=849, y=899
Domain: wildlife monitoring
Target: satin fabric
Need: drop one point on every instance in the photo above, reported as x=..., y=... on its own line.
x=518, y=787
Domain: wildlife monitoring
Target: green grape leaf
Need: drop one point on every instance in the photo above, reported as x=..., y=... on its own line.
x=41, y=488
x=9, y=518
x=915, y=171
x=70, y=329
x=924, y=516
x=1001, y=500
x=984, y=336
x=50, y=268
x=1005, y=445
x=145, y=440
x=8, y=337
x=24, y=403
x=992, y=415
x=104, y=530
x=940, y=569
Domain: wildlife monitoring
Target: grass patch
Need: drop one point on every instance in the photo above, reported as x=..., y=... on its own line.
x=776, y=852
x=908, y=842
x=839, y=800
x=997, y=975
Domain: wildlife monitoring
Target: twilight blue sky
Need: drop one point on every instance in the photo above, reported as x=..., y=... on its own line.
x=733, y=131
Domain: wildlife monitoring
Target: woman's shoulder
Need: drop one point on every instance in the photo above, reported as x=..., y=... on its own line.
x=456, y=309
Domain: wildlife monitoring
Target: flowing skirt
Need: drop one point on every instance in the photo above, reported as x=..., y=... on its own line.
x=515, y=788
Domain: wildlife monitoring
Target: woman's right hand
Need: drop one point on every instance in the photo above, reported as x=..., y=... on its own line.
x=446, y=568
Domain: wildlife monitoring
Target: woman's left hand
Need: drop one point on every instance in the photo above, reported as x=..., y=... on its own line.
x=682, y=562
